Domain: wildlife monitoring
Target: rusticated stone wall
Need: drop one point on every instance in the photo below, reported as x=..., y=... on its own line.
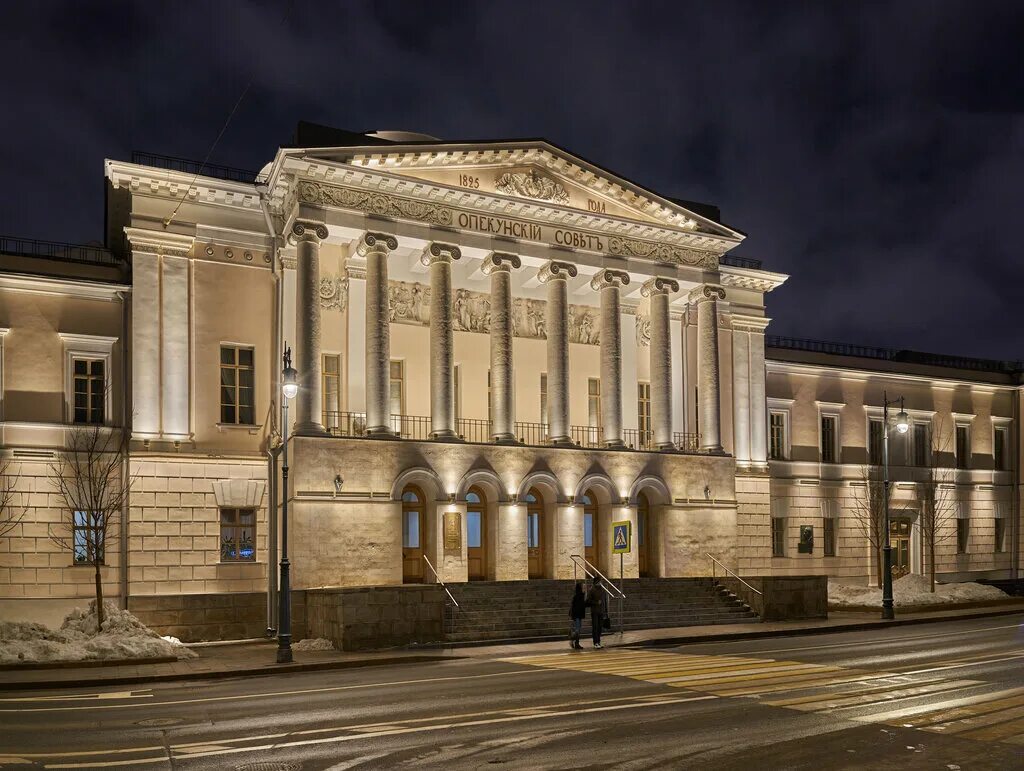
x=783, y=598
x=376, y=617
x=205, y=617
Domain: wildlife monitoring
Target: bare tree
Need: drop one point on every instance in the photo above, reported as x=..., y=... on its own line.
x=936, y=495
x=12, y=507
x=90, y=478
x=868, y=511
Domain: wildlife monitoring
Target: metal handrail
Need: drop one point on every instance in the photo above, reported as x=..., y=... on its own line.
x=713, y=576
x=452, y=598
x=606, y=582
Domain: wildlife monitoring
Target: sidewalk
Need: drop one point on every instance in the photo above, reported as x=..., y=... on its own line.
x=246, y=659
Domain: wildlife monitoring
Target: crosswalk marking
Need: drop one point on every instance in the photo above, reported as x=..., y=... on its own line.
x=868, y=696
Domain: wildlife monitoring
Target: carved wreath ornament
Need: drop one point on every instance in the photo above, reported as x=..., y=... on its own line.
x=333, y=292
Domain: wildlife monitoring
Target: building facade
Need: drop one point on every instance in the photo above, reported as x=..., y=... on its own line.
x=501, y=350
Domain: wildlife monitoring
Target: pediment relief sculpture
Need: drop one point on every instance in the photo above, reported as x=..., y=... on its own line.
x=531, y=183
x=409, y=303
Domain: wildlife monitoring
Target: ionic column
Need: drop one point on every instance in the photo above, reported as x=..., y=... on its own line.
x=374, y=248
x=499, y=267
x=306, y=236
x=556, y=275
x=608, y=283
x=657, y=291
x=706, y=299
x=438, y=257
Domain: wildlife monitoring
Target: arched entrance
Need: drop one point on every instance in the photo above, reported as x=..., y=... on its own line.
x=534, y=533
x=413, y=515
x=476, y=534
x=643, y=521
x=591, y=528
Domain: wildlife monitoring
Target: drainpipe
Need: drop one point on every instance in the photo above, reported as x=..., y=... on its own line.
x=1016, y=499
x=272, y=452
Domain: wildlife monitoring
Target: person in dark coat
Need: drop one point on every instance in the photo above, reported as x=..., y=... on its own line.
x=577, y=612
x=598, y=609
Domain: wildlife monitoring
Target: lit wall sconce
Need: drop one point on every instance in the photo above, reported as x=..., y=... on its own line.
x=572, y=500
x=451, y=498
x=707, y=493
x=338, y=482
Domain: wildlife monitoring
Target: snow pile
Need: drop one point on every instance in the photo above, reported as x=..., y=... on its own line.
x=123, y=637
x=315, y=644
x=911, y=590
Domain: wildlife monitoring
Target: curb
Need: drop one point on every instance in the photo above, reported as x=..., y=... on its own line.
x=272, y=669
x=853, y=626
x=86, y=664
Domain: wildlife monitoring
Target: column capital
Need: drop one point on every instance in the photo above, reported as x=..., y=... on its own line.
x=438, y=252
x=556, y=271
x=609, y=278
x=500, y=261
x=706, y=292
x=659, y=285
x=376, y=242
x=307, y=230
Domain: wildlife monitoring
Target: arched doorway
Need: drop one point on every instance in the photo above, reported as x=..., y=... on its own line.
x=413, y=515
x=476, y=534
x=643, y=516
x=534, y=533
x=591, y=528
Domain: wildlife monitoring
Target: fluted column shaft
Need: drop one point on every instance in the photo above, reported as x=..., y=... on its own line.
x=555, y=276
x=307, y=236
x=708, y=381
x=498, y=267
x=608, y=283
x=442, y=413
x=657, y=291
x=374, y=248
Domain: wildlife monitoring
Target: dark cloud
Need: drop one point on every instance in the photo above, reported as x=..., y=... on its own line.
x=874, y=151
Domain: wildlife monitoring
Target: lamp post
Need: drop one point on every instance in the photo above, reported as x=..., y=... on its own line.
x=902, y=424
x=289, y=387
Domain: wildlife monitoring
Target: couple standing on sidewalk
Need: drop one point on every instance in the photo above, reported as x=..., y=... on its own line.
x=597, y=602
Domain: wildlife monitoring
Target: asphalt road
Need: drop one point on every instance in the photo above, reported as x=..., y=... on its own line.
x=939, y=696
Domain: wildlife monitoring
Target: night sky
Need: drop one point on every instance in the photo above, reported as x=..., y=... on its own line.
x=873, y=151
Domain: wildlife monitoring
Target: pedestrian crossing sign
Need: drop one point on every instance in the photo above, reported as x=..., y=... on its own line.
x=621, y=532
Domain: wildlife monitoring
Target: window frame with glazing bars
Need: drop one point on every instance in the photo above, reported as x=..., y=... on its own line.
x=778, y=536
x=829, y=440
x=94, y=390
x=234, y=371
x=97, y=542
x=1000, y=444
x=922, y=444
x=963, y=454
x=237, y=525
x=778, y=441
x=963, y=534
x=643, y=414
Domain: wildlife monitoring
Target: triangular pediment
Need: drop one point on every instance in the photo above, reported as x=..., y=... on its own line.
x=533, y=171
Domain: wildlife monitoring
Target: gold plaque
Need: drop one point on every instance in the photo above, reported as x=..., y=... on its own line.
x=452, y=531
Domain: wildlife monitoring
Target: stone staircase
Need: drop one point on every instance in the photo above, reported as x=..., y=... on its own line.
x=539, y=609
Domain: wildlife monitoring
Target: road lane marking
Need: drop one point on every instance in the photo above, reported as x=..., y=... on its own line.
x=85, y=696
x=355, y=733
x=243, y=696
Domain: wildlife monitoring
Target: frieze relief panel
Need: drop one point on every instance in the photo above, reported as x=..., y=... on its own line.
x=409, y=303
x=333, y=292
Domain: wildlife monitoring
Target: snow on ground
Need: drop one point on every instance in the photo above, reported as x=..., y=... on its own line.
x=910, y=590
x=314, y=644
x=123, y=637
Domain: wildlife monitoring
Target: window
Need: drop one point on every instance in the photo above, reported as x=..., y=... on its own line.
x=396, y=400
x=777, y=435
x=829, y=436
x=544, y=398
x=643, y=413
x=778, y=536
x=876, y=440
x=331, y=389
x=532, y=529
x=963, y=531
x=963, y=446
x=90, y=388
x=237, y=535
x=921, y=444
x=829, y=514
x=593, y=402
x=999, y=444
x=87, y=537
x=474, y=519
x=412, y=510
x=236, y=385
x=490, y=411
x=1000, y=545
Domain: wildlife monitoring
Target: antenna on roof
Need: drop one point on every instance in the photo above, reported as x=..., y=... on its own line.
x=167, y=222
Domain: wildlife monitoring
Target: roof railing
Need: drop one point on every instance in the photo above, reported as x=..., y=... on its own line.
x=191, y=166
x=56, y=250
x=740, y=262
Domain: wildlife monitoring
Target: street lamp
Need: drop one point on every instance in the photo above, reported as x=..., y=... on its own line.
x=289, y=387
x=902, y=425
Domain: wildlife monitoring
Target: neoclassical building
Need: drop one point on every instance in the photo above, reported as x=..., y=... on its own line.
x=501, y=349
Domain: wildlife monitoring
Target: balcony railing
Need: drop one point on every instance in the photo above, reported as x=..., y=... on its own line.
x=480, y=431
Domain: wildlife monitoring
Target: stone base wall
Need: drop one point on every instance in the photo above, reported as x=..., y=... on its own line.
x=376, y=617
x=205, y=617
x=783, y=598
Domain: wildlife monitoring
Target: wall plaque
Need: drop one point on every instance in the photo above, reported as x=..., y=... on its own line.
x=806, y=545
x=452, y=531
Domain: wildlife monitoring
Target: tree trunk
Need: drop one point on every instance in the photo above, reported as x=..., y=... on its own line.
x=99, y=598
x=931, y=562
x=879, y=566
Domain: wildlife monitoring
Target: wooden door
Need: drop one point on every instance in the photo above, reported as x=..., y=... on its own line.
x=476, y=534
x=899, y=539
x=643, y=518
x=412, y=536
x=534, y=535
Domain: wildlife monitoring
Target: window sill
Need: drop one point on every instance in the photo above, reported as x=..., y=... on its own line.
x=251, y=428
